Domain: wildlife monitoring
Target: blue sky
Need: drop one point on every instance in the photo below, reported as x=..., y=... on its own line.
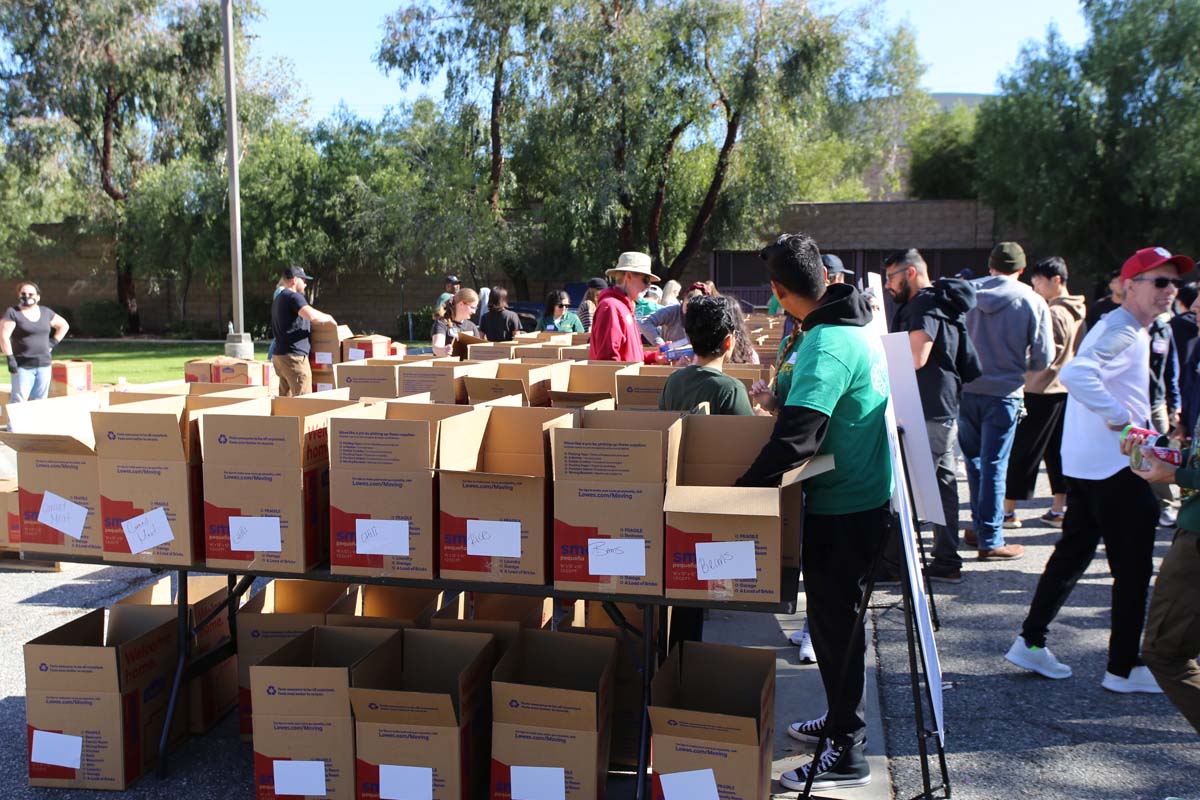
x=330, y=46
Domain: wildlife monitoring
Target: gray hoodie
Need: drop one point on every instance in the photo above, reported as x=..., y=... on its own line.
x=1011, y=329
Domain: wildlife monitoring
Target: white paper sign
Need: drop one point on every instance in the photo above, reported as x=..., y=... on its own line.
x=323, y=358
x=300, y=778
x=324, y=387
x=538, y=783
x=255, y=533
x=56, y=749
x=698, y=784
x=488, y=537
x=62, y=515
x=148, y=531
x=381, y=537
x=718, y=561
x=357, y=354
x=405, y=783
x=625, y=557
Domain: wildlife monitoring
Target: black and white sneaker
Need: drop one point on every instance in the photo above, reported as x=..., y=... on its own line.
x=838, y=767
x=808, y=731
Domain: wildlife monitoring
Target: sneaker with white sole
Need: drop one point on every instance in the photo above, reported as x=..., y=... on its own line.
x=1011, y=521
x=1037, y=659
x=803, y=641
x=808, y=731
x=837, y=767
x=1140, y=680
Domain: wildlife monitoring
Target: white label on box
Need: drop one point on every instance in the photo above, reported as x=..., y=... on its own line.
x=405, y=783
x=538, y=783
x=700, y=784
x=324, y=387
x=718, y=561
x=255, y=534
x=323, y=357
x=621, y=557
x=56, y=749
x=490, y=537
x=148, y=531
x=357, y=354
x=300, y=778
x=62, y=515
x=381, y=537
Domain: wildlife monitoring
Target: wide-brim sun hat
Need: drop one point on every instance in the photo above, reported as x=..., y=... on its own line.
x=639, y=263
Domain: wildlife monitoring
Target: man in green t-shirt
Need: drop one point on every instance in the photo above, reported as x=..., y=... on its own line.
x=709, y=324
x=835, y=405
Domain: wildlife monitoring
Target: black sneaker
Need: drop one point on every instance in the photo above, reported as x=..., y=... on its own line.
x=808, y=731
x=838, y=767
x=943, y=573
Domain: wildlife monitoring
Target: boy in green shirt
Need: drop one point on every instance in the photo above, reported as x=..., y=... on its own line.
x=709, y=324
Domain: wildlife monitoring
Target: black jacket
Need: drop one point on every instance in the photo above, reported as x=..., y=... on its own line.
x=949, y=299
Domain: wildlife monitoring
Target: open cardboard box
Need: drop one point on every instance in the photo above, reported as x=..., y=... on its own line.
x=383, y=479
x=610, y=477
x=445, y=380
x=533, y=382
x=364, y=379
x=495, y=494
x=704, y=509
x=385, y=607
x=502, y=615
x=490, y=351
x=421, y=699
x=363, y=346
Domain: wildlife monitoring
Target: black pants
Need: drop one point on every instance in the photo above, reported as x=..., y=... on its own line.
x=1039, y=435
x=1123, y=511
x=837, y=553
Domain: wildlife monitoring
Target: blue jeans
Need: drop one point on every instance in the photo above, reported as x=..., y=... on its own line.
x=986, y=428
x=30, y=383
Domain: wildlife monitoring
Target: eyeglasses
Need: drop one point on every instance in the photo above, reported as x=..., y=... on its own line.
x=887, y=277
x=1161, y=283
x=560, y=305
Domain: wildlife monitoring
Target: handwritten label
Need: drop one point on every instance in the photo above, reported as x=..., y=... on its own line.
x=718, y=561
x=323, y=358
x=56, y=749
x=255, y=533
x=300, y=778
x=357, y=354
x=148, y=531
x=700, y=784
x=405, y=783
x=621, y=557
x=62, y=515
x=381, y=537
x=538, y=783
x=488, y=537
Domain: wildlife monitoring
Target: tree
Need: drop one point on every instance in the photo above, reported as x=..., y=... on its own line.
x=1096, y=152
x=942, y=165
x=135, y=79
x=35, y=184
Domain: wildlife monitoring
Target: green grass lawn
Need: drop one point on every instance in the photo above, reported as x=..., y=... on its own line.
x=139, y=362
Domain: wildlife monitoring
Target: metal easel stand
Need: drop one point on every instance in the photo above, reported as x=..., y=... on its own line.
x=933, y=612
x=649, y=662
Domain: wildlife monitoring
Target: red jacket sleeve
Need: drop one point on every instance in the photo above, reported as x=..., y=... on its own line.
x=606, y=335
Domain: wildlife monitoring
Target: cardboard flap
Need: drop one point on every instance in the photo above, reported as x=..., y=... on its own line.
x=153, y=429
x=517, y=440
x=608, y=456
x=414, y=407
x=307, y=405
x=47, y=443
x=382, y=444
x=717, y=450
x=392, y=606
x=462, y=341
x=553, y=679
x=67, y=416
x=460, y=441
x=598, y=376
x=742, y=502
x=590, y=400
x=482, y=390
x=291, y=596
x=77, y=650
x=814, y=466
x=310, y=675
x=714, y=692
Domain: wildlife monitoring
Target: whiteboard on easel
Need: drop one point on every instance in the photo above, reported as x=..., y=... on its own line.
x=906, y=401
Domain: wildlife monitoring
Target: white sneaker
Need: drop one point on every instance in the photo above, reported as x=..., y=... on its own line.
x=1140, y=680
x=802, y=640
x=1037, y=659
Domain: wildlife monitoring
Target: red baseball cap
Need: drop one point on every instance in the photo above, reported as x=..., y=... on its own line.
x=1148, y=258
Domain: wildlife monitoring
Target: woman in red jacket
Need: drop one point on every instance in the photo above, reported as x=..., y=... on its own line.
x=615, y=335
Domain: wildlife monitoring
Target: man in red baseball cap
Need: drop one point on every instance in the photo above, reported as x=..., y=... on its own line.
x=1108, y=389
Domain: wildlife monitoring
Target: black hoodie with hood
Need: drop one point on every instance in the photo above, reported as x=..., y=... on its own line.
x=939, y=310
x=799, y=431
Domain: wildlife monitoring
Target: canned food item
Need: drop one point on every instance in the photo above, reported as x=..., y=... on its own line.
x=1159, y=439
x=1168, y=454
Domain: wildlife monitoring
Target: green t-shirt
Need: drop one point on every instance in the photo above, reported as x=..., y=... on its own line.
x=773, y=306
x=690, y=386
x=841, y=372
x=569, y=323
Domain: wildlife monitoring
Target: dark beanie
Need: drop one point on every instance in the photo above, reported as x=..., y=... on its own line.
x=1007, y=257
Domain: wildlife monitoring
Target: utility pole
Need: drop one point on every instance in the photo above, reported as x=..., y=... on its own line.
x=237, y=343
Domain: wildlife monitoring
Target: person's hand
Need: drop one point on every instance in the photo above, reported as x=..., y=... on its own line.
x=759, y=411
x=761, y=394
x=1155, y=470
x=1118, y=427
x=12, y=364
x=1131, y=441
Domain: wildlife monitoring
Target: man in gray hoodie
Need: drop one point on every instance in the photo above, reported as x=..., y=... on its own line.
x=1010, y=327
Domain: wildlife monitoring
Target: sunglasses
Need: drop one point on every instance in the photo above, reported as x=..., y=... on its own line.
x=1161, y=283
x=560, y=305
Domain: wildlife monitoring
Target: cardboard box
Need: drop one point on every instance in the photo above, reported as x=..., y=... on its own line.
x=397, y=349
x=367, y=380
x=382, y=469
x=385, y=607
x=283, y=610
x=490, y=351
x=149, y=459
x=532, y=382
x=421, y=700
x=610, y=478
x=302, y=712
x=713, y=707
x=269, y=474
x=241, y=372
x=96, y=691
x=640, y=390
x=495, y=494
x=537, y=352
x=502, y=615
x=210, y=696
x=581, y=352
x=199, y=370
x=358, y=348
x=10, y=504
x=325, y=343
x=444, y=380
x=70, y=377
x=704, y=508
x=552, y=707
x=323, y=378
x=591, y=381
